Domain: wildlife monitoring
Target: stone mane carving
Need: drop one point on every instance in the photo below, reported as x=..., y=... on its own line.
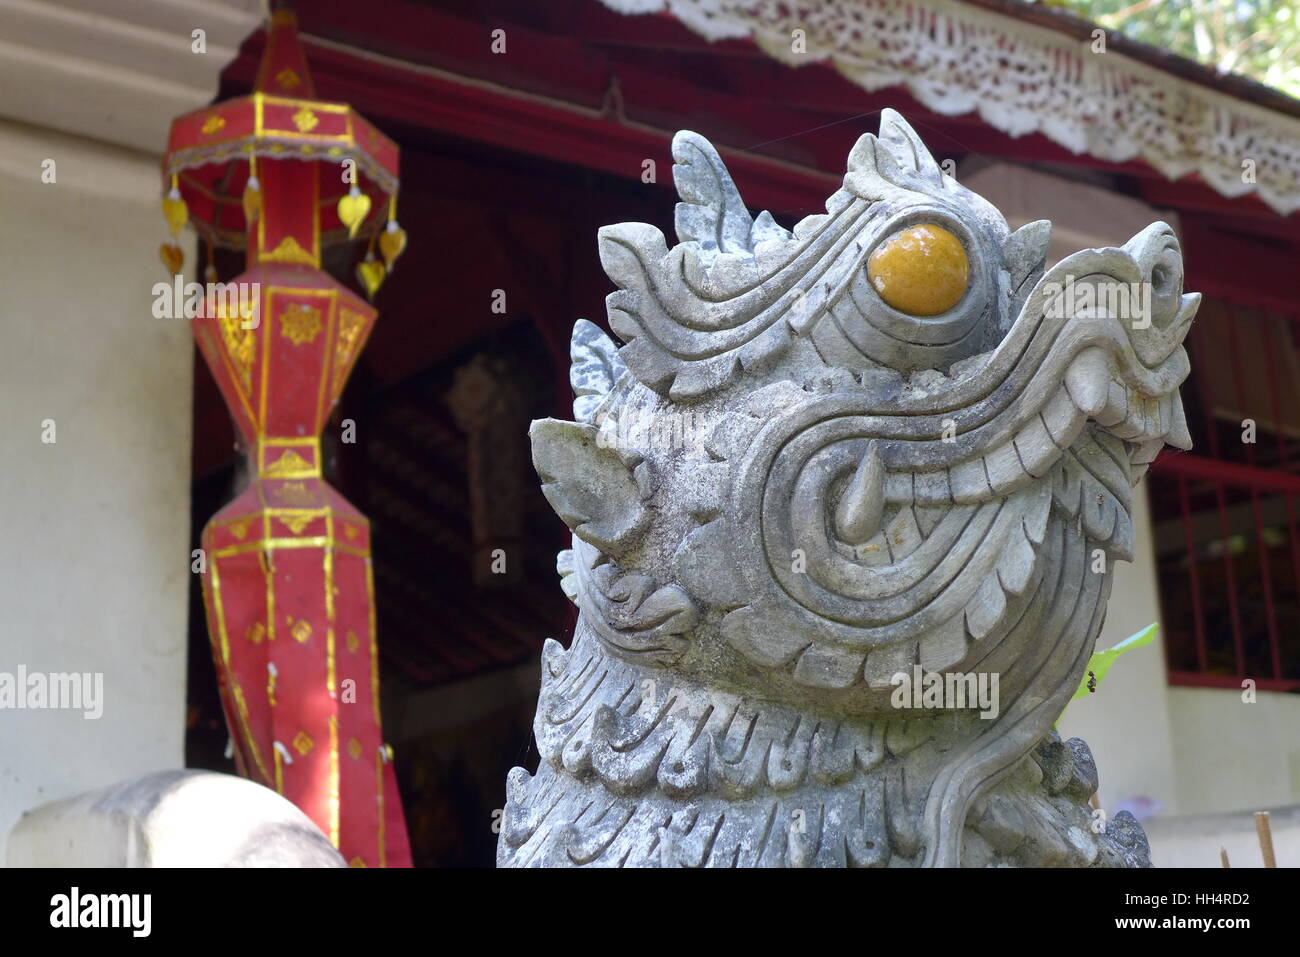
x=884, y=443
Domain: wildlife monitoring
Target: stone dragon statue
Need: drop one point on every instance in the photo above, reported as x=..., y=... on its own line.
x=907, y=450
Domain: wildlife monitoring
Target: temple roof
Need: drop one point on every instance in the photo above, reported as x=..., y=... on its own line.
x=1026, y=68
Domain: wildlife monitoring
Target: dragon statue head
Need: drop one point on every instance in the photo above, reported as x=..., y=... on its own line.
x=886, y=449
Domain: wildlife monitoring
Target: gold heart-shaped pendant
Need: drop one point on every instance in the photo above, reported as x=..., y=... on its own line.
x=371, y=273
x=391, y=243
x=353, y=210
x=172, y=257
x=176, y=213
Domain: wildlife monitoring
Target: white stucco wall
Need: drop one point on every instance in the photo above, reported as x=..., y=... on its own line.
x=94, y=575
x=94, y=572
x=1232, y=755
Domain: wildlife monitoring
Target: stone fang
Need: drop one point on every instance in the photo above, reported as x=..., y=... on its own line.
x=858, y=516
x=1088, y=380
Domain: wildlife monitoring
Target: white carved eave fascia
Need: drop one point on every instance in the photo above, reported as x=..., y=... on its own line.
x=1020, y=78
x=115, y=70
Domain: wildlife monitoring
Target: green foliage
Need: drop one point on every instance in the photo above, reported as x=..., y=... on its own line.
x=1100, y=661
x=1259, y=39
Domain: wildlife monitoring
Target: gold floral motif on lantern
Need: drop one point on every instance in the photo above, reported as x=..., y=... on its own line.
x=300, y=324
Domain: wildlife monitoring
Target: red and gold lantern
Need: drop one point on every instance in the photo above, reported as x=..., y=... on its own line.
x=288, y=583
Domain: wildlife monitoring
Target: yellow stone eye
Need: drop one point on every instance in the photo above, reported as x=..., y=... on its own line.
x=922, y=271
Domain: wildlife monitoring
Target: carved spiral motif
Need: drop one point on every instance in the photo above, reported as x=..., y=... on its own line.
x=861, y=578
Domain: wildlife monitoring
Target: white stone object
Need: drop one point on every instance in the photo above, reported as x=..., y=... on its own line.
x=171, y=819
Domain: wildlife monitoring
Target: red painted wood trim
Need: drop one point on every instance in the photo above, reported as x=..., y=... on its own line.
x=1187, y=465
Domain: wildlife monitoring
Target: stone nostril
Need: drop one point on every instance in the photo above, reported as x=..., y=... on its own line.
x=1166, y=284
x=1159, y=279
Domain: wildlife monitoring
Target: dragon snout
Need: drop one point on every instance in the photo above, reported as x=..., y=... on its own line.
x=1128, y=384
x=1159, y=259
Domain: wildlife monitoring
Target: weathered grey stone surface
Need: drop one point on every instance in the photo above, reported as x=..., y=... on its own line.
x=176, y=818
x=784, y=492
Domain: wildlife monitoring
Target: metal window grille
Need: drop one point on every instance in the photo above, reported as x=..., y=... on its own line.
x=1224, y=516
